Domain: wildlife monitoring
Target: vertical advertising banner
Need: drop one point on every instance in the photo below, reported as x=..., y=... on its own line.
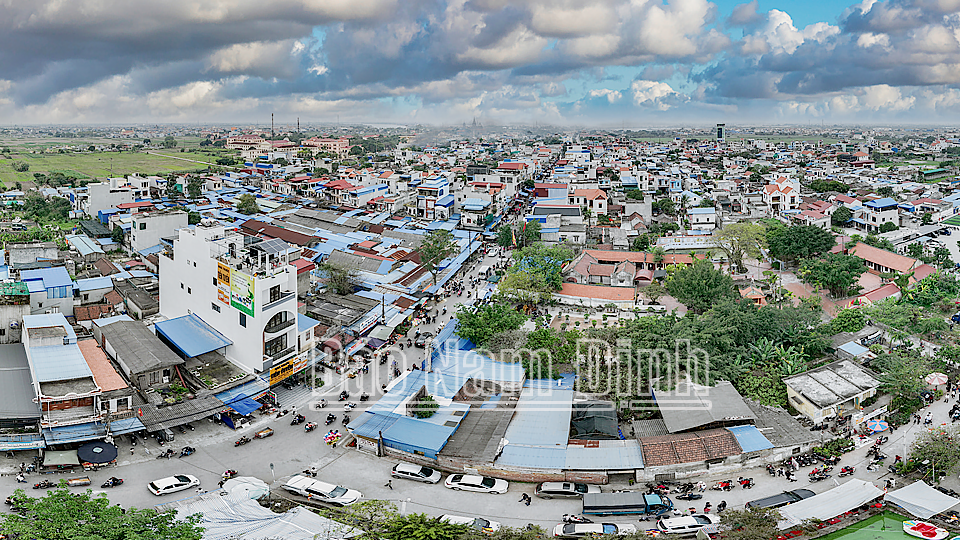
x=241, y=291
x=223, y=283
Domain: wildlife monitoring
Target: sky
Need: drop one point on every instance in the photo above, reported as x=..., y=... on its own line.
x=604, y=63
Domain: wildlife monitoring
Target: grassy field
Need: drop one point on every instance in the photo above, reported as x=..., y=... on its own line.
x=104, y=164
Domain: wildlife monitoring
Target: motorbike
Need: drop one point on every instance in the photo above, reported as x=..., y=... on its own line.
x=346, y=419
x=181, y=429
x=168, y=454
x=725, y=485
x=133, y=439
x=112, y=482
x=771, y=470
x=349, y=405
x=331, y=418
x=881, y=440
x=187, y=450
x=298, y=419
x=312, y=472
x=745, y=483
x=228, y=474
x=241, y=441
x=364, y=396
x=831, y=460
x=43, y=484
x=189, y=426
x=344, y=395
x=847, y=471
x=282, y=413
x=383, y=360
x=689, y=496
x=575, y=518
x=309, y=426
x=819, y=477
x=322, y=403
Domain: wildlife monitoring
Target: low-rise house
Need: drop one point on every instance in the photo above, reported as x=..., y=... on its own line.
x=51, y=290
x=145, y=360
x=830, y=391
x=881, y=261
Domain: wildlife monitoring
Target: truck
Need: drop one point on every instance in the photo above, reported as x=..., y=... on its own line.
x=626, y=502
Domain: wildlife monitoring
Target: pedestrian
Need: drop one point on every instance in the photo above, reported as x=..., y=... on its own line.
x=722, y=506
x=780, y=471
x=701, y=486
x=897, y=459
x=199, y=490
x=389, y=484
x=131, y=450
x=23, y=466
x=21, y=479
x=929, y=419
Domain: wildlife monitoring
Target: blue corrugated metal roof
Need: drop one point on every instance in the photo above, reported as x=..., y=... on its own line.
x=610, y=455
x=538, y=457
x=305, y=323
x=35, y=286
x=125, y=425
x=59, y=363
x=192, y=335
x=75, y=433
x=541, y=418
x=750, y=439
x=92, y=284
x=853, y=348
x=51, y=277
x=256, y=387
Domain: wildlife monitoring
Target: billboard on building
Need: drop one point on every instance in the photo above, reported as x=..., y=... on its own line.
x=223, y=283
x=241, y=291
x=288, y=368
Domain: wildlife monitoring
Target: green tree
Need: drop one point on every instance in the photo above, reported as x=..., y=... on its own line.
x=117, y=235
x=739, y=240
x=750, y=523
x=666, y=206
x=356, y=151
x=941, y=257
x=193, y=218
x=841, y=216
x=848, y=320
x=529, y=233
x=340, y=279
x=247, y=204
x=915, y=250
x=837, y=272
x=641, y=243
x=169, y=142
x=888, y=227
x=700, y=286
x=659, y=254
x=927, y=218
x=885, y=191
x=505, y=236
x=205, y=142
x=434, y=248
x=21, y=166
x=426, y=407
x=939, y=448
x=406, y=527
x=634, y=194
x=654, y=292
x=194, y=187
x=226, y=161
x=798, y=241
x=486, y=321
x=62, y=514
x=603, y=219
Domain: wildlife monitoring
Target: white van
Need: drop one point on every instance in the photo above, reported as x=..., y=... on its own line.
x=689, y=524
x=321, y=491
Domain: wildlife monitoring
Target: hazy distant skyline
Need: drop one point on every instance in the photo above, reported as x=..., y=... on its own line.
x=600, y=62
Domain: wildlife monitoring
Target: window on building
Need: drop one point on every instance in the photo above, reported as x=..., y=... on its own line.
x=214, y=282
x=215, y=307
x=189, y=290
x=143, y=226
x=3, y=331
x=274, y=293
x=181, y=285
x=243, y=320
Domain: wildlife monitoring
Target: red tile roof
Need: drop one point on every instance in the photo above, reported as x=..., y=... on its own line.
x=104, y=374
x=693, y=447
x=884, y=258
x=303, y=265
x=126, y=205
x=600, y=292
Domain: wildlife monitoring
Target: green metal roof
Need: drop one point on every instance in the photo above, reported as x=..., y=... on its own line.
x=17, y=288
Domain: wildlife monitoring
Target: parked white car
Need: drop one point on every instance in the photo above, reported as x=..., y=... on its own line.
x=687, y=524
x=581, y=530
x=479, y=523
x=321, y=491
x=419, y=473
x=482, y=484
x=173, y=484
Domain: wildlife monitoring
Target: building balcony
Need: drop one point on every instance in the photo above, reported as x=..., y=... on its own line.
x=284, y=296
x=276, y=328
x=279, y=356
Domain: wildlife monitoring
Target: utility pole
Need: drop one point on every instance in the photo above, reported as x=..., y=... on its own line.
x=271, y=125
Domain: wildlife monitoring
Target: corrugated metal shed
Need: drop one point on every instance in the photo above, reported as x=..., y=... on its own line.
x=542, y=418
x=191, y=335
x=750, y=439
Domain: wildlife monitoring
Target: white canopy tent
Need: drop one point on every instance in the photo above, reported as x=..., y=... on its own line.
x=829, y=504
x=921, y=500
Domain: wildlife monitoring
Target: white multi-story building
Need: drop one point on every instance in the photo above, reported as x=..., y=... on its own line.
x=246, y=291
x=149, y=227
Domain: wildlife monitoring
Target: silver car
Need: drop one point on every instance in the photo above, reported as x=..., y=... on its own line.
x=564, y=490
x=411, y=471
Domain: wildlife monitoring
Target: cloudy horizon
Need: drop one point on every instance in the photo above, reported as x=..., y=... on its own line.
x=630, y=63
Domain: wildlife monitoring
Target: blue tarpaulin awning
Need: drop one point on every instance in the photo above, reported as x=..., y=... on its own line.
x=90, y=431
x=191, y=335
x=243, y=404
x=125, y=425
